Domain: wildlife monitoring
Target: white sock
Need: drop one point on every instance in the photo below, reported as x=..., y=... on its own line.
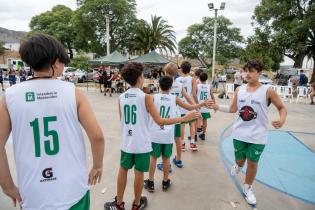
x=246, y=187
x=192, y=141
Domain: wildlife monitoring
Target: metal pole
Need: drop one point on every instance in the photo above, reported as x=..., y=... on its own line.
x=214, y=42
x=107, y=34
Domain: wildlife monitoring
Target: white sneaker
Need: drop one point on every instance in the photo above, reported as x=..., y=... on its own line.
x=235, y=169
x=249, y=195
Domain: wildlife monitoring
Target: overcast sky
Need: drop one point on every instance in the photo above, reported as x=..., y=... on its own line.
x=16, y=14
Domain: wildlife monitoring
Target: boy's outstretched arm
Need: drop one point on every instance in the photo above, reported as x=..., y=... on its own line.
x=186, y=96
x=6, y=181
x=275, y=100
x=225, y=108
x=191, y=106
x=88, y=121
x=167, y=121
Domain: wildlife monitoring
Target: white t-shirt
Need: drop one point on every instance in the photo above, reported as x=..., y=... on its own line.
x=251, y=124
x=187, y=85
x=203, y=93
x=134, y=122
x=48, y=144
x=166, y=106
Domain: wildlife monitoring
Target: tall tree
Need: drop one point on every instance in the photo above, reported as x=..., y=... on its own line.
x=291, y=25
x=57, y=23
x=90, y=25
x=198, y=44
x=157, y=34
x=263, y=47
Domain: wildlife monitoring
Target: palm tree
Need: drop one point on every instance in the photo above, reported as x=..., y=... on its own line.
x=154, y=35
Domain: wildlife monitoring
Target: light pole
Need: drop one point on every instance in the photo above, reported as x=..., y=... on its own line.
x=110, y=12
x=211, y=7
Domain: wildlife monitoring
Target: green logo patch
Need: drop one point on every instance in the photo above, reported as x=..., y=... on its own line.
x=29, y=96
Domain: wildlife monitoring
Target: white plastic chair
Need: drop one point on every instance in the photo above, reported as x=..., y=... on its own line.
x=229, y=89
x=273, y=87
x=301, y=93
x=280, y=91
x=288, y=93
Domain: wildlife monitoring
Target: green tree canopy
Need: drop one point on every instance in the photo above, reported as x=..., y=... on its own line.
x=198, y=44
x=90, y=26
x=57, y=23
x=262, y=47
x=290, y=25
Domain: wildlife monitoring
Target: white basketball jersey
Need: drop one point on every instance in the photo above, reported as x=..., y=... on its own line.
x=134, y=122
x=251, y=124
x=177, y=91
x=49, y=148
x=203, y=93
x=187, y=85
x=166, y=106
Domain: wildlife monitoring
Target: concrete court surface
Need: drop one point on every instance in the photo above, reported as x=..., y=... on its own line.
x=203, y=183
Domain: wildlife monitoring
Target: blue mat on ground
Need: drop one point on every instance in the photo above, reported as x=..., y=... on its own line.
x=286, y=165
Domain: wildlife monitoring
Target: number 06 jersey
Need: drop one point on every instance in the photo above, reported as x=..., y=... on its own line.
x=48, y=144
x=134, y=122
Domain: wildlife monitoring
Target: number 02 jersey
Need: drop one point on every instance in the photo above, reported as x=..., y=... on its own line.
x=134, y=122
x=48, y=144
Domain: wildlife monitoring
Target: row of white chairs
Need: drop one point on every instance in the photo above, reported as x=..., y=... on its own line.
x=284, y=92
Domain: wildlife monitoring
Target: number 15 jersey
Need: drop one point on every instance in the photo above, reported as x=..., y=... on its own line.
x=48, y=144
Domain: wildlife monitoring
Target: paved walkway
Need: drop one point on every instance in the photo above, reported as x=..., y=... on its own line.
x=203, y=183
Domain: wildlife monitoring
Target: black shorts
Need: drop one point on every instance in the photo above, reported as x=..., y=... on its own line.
x=108, y=84
x=1, y=79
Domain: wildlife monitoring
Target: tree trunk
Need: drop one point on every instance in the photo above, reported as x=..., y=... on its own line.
x=298, y=60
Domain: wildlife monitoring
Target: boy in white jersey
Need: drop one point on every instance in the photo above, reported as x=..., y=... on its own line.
x=198, y=124
x=202, y=93
x=162, y=137
x=178, y=90
x=44, y=116
x=135, y=109
x=250, y=128
x=188, y=83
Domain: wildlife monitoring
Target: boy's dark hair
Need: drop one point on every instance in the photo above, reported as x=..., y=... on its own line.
x=41, y=51
x=255, y=64
x=198, y=72
x=203, y=77
x=166, y=83
x=185, y=66
x=131, y=72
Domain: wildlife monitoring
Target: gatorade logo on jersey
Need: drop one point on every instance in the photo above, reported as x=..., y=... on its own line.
x=130, y=95
x=48, y=175
x=29, y=96
x=129, y=132
x=247, y=113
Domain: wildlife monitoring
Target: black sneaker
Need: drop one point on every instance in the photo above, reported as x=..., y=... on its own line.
x=114, y=206
x=143, y=204
x=202, y=136
x=149, y=185
x=110, y=95
x=196, y=139
x=189, y=138
x=166, y=184
x=199, y=130
x=105, y=94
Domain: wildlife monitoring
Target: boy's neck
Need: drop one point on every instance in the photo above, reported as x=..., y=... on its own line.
x=203, y=82
x=254, y=84
x=165, y=92
x=136, y=86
